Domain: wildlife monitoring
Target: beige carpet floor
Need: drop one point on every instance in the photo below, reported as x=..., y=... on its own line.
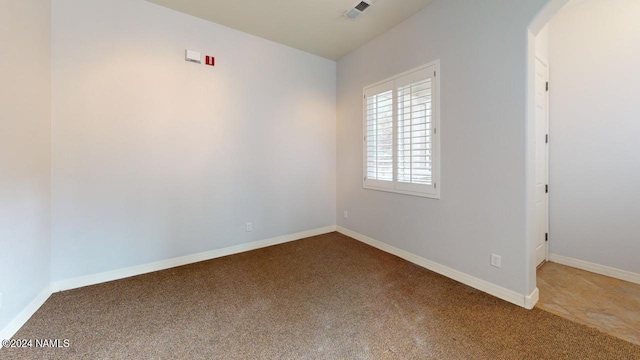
x=325, y=297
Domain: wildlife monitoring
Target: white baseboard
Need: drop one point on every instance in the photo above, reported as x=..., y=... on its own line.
x=595, y=268
x=12, y=328
x=184, y=260
x=532, y=299
x=526, y=301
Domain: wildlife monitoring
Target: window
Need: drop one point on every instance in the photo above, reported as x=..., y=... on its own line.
x=401, y=138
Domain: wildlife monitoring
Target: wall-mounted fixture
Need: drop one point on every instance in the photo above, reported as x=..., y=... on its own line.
x=196, y=57
x=193, y=56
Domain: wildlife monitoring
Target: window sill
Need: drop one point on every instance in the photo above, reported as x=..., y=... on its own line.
x=435, y=195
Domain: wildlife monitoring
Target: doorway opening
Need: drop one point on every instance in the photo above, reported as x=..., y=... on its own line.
x=582, y=61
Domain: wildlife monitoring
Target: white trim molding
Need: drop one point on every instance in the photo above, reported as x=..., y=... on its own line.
x=532, y=299
x=596, y=268
x=525, y=301
x=12, y=328
x=93, y=279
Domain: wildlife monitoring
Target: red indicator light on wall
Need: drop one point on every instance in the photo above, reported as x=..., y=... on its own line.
x=210, y=60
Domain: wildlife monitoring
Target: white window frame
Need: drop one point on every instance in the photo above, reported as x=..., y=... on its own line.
x=394, y=83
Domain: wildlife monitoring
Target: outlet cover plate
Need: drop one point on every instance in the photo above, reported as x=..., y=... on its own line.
x=495, y=260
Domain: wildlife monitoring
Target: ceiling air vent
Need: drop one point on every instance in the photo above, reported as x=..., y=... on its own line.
x=358, y=9
x=362, y=6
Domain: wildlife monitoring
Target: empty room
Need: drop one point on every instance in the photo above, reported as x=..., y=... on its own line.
x=336, y=179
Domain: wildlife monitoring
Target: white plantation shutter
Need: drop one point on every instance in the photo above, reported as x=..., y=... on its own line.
x=401, y=135
x=415, y=131
x=379, y=132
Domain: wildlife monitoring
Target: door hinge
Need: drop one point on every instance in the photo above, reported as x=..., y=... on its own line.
x=435, y=186
x=546, y=236
x=547, y=86
x=434, y=74
x=546, y=189
x=435, y=131
x=546, y=139
x=365, y=178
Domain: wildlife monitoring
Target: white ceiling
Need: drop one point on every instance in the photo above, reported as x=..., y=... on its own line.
x=314, y=26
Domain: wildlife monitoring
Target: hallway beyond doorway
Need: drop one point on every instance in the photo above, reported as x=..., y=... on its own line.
x=610, y=305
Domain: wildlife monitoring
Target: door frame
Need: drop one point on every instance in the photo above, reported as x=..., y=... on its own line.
x=546, y=159
x=543, y=17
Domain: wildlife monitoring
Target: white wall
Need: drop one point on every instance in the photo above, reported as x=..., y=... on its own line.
x=483, y=51
x=595, y=113
x=155, y=157
x=25, y=114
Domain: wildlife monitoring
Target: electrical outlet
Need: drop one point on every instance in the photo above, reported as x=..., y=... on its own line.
x=495, y=260
x=249, y=227
x=346, y=214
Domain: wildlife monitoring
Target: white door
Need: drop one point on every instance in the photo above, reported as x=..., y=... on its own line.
x=542, y=161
